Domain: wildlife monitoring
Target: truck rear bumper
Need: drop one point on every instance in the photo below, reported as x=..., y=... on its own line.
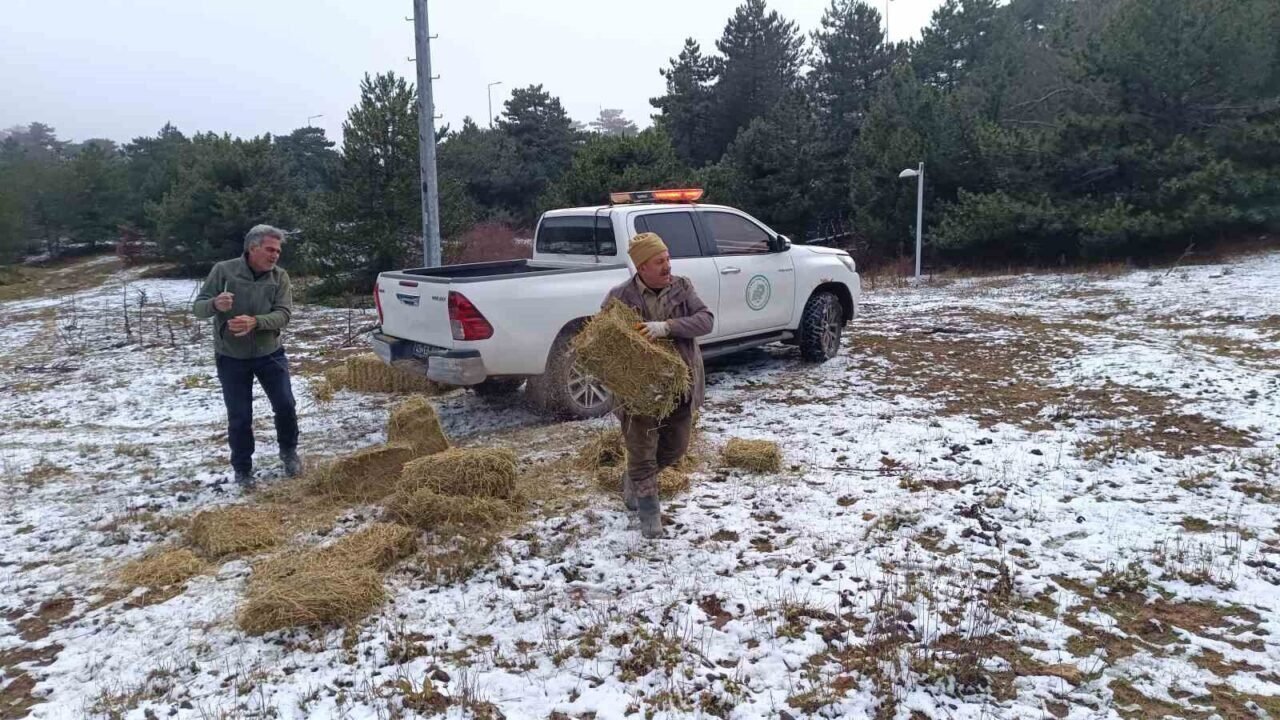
x=442, y=365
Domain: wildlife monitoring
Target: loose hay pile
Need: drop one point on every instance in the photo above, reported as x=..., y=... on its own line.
x=307, y=590
x=365, y=475
x=671, y=481
x=646, y=378
x=605, y=449
x=378, y=546
x=478, y=472
x=234, y=529
x=162, y=569
x=430, y=510
x=415, y=422
x=366, y=373
x=754, y=455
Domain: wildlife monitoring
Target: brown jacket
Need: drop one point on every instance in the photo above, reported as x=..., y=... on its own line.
x=686, y=315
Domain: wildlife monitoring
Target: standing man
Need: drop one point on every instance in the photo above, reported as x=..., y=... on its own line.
x=670, y=308
x=250, y=300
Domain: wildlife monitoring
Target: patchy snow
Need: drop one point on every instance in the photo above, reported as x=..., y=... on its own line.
x=966, y=487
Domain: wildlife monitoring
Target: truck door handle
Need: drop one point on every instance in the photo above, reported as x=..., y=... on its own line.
x=730, y=271
x=785, y=269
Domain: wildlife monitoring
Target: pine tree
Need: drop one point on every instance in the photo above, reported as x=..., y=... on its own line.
x=609, y=163
x=685, y=111
x=762, y=56
x=851, y=60
x=544, y=139
x=957, y=38
x=611, y=122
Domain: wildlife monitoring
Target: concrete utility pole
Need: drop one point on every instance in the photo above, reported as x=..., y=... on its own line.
x=426, y=139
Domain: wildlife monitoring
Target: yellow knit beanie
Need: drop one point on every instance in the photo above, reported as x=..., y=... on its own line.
x=644, y=247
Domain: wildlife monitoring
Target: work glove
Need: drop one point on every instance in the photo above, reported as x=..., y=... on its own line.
x=653, y=330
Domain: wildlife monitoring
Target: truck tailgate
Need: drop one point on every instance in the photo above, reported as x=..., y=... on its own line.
x=414, y=308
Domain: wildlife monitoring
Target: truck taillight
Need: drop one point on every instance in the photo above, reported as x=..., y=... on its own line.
x=466, y=320
x=377, y=300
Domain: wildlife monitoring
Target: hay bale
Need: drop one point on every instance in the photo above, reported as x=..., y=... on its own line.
x=367, y=373
x=415, y=422
x=365, y=475
x=671, y=481
x=430, y=510
x=646, y=378
x=308, y=590
x=378, y=546
x=336, y=377
x=604, y=449
x=475, y=472
x=754, y=455
x=162, y=569
x=235, y=529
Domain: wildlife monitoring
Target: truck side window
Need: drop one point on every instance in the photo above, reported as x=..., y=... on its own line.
x=576, y=235
x=736, y=235
x=676, y=230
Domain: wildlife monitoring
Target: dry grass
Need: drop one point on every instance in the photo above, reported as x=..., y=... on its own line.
x=307, y=590
x=162, y=569
x=478, y=472
x=1141, y=420
x=646, y=378
x=235, y=529
x=366, y=475
x=433, y=511
x=415, y=422
x=366, y=373
x=753, y=455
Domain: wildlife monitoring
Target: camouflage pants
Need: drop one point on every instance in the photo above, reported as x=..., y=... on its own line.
x=654, y=444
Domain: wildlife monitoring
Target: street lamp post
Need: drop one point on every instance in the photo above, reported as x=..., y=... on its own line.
x=312, y=117
x=489, y=89
x=918, y=174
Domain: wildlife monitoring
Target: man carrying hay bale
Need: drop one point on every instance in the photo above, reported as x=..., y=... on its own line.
x=669, y=308
x=250, y=300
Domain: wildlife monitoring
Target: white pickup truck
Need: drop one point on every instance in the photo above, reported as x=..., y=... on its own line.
x=494, y=325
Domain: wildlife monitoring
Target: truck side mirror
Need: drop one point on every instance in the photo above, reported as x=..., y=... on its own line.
x=781, y=243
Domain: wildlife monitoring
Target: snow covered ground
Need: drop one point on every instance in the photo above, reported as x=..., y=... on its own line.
x=1008, y=497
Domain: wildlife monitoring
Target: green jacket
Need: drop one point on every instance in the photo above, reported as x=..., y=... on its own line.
x=268, y=297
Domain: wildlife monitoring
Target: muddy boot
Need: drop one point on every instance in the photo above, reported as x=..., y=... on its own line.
x=244, y=478
x=650, y=517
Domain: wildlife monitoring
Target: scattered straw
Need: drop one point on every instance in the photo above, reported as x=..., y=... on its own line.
x=378, y=546
x=415, y=422
x=479, y=472
x=365, y=475
x=235, y=529
x=161, y=569
x=366, y=373
x=671, y=481
x=647, y=378
x=430, y=510
x=306, y=590
x=754, y=455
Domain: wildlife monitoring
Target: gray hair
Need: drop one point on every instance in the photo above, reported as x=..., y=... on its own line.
x=258, y=233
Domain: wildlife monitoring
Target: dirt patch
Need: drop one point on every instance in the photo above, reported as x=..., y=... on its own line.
x=1141, y=420
x=47, y=617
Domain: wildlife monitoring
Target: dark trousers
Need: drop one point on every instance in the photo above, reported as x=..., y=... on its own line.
x=653, y=445
x=236, y=376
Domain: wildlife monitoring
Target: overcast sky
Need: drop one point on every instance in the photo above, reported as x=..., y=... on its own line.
x=122, y=68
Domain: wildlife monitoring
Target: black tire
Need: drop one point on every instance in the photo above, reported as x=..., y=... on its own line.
x=820, y=327
x=566, y=391
x=498, y=387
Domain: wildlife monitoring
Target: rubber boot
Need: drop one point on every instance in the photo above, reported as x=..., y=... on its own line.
x=292, y=463
x=244, y=478
x=650, y=517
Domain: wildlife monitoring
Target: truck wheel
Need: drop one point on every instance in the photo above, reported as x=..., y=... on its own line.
x=566, y=389
x=498, y=387
x=820, y=327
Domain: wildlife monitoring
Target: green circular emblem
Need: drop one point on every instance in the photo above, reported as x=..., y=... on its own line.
x=758, y=292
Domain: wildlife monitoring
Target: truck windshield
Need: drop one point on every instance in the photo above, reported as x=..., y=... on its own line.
x=576, y=235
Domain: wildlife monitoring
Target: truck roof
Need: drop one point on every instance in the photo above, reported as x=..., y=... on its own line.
x=629, y=207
